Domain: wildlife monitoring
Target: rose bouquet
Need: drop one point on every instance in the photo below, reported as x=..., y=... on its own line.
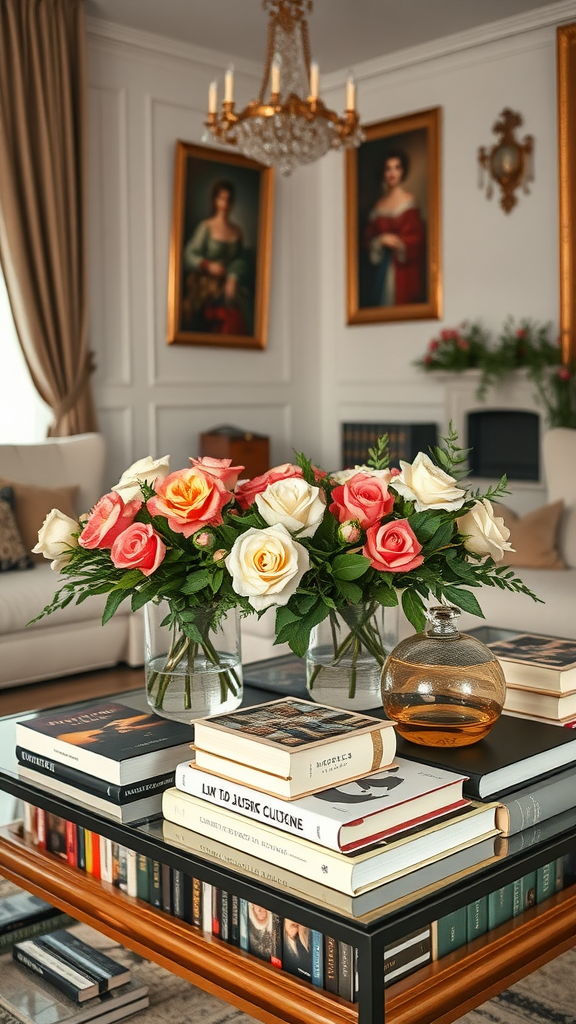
x=314, y=545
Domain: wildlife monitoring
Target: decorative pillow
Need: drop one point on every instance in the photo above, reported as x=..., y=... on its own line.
x=13, y=554
x=32, y=505
x=533, y=536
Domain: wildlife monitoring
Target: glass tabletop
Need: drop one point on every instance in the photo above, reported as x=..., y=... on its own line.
x=477, y=869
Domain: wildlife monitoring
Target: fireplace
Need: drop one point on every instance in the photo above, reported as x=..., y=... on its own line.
x=503, y=430
x=504, y=441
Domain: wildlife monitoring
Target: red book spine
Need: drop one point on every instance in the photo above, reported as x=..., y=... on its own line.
x=71, y=844
x=41, y=828
x=95, y=840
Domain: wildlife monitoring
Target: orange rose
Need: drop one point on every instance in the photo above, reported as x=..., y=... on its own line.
x=189, y=500
x=109, y=518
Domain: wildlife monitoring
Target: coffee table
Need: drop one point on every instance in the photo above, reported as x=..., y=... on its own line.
x=441, y=992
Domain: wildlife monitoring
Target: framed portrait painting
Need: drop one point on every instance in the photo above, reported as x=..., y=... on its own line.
x=220, y=249
x=393, y=221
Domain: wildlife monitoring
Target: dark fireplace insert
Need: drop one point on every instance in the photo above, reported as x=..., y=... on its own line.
x=504, y=441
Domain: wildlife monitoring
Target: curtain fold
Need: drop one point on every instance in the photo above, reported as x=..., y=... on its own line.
x=43, y=199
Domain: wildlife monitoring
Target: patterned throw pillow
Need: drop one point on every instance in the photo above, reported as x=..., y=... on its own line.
x=13, y=554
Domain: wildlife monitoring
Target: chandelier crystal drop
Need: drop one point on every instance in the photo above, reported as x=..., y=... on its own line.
x=285, y=129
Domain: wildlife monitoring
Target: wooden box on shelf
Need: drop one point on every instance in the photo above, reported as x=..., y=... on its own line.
x=244, y=448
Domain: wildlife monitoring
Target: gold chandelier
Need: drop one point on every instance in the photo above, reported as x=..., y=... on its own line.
x=285, y=130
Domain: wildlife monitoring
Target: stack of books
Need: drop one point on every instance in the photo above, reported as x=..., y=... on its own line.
x=107, y=757
x=23, y=916
x=60, y=978
x=311, y=800
x=540, y=675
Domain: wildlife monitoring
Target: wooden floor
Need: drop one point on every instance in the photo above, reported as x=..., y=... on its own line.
x=68, y=689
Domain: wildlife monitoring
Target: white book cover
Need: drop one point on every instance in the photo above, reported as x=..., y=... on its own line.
x=346, y=817
x=350, y=873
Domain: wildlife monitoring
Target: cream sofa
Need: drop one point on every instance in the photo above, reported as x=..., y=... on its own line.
x=557, y=588
x=72, y=640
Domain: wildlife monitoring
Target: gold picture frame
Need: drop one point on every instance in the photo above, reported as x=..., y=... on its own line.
x=220, y=249
x=402, y=280
x=566, y=52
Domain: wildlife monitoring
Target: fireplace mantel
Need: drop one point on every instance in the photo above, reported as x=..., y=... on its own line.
x=515, y=393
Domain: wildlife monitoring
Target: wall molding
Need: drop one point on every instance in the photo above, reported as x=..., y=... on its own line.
x=148, y=44
x=458, y=42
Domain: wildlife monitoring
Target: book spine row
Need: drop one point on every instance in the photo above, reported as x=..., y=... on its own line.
x=467, y=923
x=322, y=960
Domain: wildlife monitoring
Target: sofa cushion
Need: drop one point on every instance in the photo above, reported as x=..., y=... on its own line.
x=533, y=536
x=559, y=449
x=23, y=595
x=32, y=504
x=13, y=554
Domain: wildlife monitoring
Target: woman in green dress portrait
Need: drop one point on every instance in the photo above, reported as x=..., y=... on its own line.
x=217, y=296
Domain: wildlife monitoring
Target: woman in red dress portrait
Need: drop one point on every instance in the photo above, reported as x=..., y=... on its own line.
x=394, y=238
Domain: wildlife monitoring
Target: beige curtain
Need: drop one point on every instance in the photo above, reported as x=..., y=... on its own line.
x=43, y=215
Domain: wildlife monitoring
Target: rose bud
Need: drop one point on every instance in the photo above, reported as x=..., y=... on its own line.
x=349, y=532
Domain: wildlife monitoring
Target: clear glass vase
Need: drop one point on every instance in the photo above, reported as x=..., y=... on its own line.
x=346, y=654
x=185, y=678
x=443, y=688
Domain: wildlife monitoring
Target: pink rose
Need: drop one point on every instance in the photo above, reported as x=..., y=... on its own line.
x=433, y=345
x=220, y=469
x=248, y=489
x=393, y=547
x=138, y=547
x=363, y=497
x=564, y=373
x=189, y=499
x=107, y=520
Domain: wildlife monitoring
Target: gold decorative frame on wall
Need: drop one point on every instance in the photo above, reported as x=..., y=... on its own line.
x=371, y=272
x=566, y=52
x=202, y=310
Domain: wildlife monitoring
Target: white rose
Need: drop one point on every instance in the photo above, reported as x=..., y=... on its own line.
x=266, y=566
x=427, y=485
x=148, y=470
x=343, y=475
x=56, y=535
x=485, y=533
x=294, y=504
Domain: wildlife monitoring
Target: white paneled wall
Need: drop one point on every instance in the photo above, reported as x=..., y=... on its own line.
x=316, y=372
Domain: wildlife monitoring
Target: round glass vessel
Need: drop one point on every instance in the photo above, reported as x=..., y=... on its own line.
x=443, y=688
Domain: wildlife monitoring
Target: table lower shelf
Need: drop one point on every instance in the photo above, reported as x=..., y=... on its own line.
x=437, y=994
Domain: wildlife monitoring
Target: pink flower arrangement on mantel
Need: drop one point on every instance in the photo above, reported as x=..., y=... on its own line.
x=309, y=543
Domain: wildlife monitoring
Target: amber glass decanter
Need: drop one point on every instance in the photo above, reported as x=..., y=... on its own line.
x=443, y=688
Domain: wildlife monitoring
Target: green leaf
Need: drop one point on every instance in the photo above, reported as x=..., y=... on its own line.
x=414, y=609
x=350, y=566
x=306, y=467
x=463, y=599
x=112, y=604
x=130, y=579
x=349, y=591
x=196, y=581
x=386, y=596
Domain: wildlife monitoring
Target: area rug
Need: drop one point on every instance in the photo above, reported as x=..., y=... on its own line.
x=546, y=997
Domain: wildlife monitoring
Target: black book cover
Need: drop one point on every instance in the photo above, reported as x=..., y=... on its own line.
x=332, y=966
x=224, y=915
x=533, y=748
x=23, y=909
x=234, y=920
x=81, y=846
x=178, y=893
x=114, y=731
x=187, y=899
x=346, y=971
x=92, y=784
x=155, y=883
x=166, y=888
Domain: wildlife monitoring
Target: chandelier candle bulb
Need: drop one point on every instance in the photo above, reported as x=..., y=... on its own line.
x=350, y=93
x=275, y=78
x=229, y=85
x=213, y=98
x=314, y=80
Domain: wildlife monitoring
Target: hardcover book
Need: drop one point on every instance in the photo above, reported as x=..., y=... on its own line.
x=108, y=973
x=290, y=747
x=33, y=1001
x=349, y=873
x=542, y=799
x=113, y=741
x=126, y=813
x=423, y=880
x=89, y=783
x=515, y=752
x=545, y=705
x=23, y=909
x=346, y=817
x=538, y=662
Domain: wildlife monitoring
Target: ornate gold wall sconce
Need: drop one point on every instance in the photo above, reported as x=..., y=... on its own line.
x=509, y=162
